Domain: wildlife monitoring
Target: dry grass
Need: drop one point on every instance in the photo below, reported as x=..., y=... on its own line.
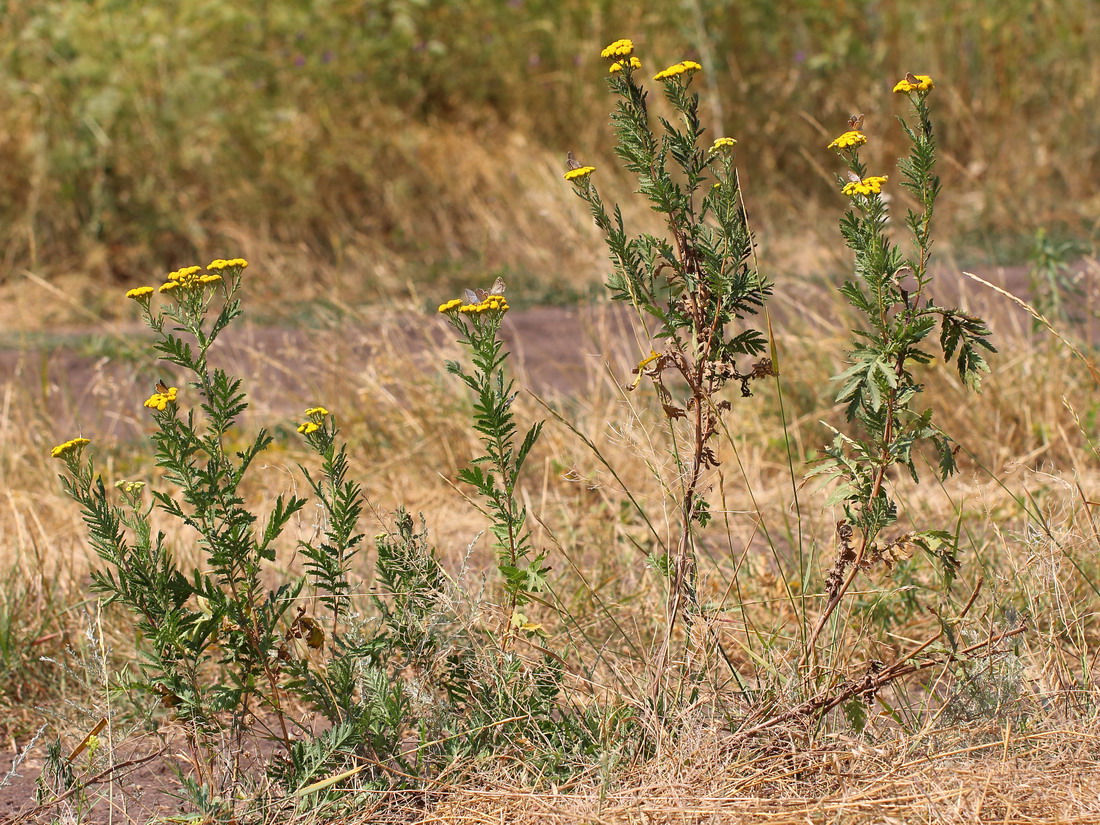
x=956, y=775
x=1023, y=503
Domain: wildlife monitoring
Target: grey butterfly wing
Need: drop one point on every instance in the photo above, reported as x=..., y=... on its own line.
x=571, y=159
x=497, y=288
x=471, y=297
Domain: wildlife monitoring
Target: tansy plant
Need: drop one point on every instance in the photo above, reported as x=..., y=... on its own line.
x=881, y=388
x=234, y=647
x=695, y=286
x=223, y=650
x=495, y=473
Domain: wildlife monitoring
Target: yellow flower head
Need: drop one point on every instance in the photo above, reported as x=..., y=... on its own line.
x=849, y=140
x=914, y=83
x=209, y=278
x=451, y=305
x=160, y=400
x=319, y=412
x=865, y=186
x=678, y=69
x=493, y=303
x=723, y=143
x=582, y=172
x=218, y=264
x=139, y=293
x=620, y=48
x=70, y=447
x=308, y=427
x=619, y=65
x=186, y=278
x=168, y=286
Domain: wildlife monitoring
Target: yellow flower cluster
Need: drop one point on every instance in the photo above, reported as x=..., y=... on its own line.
x=130, y=486
x=620, y=48
x=914, y=83
x=582, y=172
x=188, y=278
x=723, y=143
x=67, y=448
x=849, y=140
x=218, y=264
x=494, y=303
x=137, y=293
x=453, y=304
x=315, y=414
x=677, y=69
x=866, y=186
x=160, y=400
x=617, y=66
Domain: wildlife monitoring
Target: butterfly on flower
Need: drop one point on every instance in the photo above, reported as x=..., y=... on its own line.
x=162, y=388
x=855, y=123
x=476, y=296
x=571, y=159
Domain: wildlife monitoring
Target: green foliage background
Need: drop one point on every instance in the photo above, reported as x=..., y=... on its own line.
x=152, y=131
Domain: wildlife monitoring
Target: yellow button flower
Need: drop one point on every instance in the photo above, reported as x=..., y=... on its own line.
x=914, y=83
x=160, y=400
x=138, y=293
x=582, y=172
x=849, y=140
x=677, y=69
x=67, y=448
x=620, y=48
x=723, y=143
x=865, y=186
x=218, y=264
x=308, y=427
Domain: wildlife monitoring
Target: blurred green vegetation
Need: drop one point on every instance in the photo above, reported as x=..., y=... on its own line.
x=137, y=136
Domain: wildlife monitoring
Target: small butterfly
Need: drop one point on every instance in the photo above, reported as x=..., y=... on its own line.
x=853, y=177
x=475, y=296
x=162, y=388
x=911, y=78
x=855, y=123
x=571, y=159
